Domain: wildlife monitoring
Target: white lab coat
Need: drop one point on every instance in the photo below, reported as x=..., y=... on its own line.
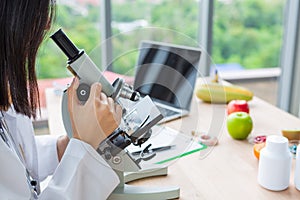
x=81, y=174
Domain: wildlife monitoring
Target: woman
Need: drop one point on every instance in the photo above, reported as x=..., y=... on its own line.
x=25, y=160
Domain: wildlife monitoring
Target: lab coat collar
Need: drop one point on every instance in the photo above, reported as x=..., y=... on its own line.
x=11, y=113
x=23, y=135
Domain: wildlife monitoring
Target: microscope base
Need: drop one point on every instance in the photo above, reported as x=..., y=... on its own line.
x=130, y=192
x=132, y=176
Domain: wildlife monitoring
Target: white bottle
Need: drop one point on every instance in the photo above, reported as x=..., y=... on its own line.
x=297, y=169
x=275, y=164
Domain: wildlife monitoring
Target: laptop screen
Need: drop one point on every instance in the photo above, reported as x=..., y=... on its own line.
x=167, y=72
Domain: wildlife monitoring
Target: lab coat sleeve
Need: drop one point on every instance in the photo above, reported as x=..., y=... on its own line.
x=47, y=155
x=81, y=174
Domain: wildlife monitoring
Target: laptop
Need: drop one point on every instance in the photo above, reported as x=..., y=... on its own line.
x=167, y=73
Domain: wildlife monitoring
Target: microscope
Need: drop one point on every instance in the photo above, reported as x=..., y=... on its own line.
x=139, y=116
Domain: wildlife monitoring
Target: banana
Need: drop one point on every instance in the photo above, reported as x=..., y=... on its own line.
x=218, y=93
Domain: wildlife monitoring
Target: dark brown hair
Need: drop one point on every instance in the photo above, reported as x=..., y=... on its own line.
x=23, y=25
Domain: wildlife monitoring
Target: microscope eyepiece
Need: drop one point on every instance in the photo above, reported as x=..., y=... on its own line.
x=65, y=44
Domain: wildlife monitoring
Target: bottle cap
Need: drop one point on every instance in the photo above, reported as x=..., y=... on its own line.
x=277, y=143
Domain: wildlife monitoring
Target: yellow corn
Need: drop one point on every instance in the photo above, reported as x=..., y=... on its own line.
x=218, y=93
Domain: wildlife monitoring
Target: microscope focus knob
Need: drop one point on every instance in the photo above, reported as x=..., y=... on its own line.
x=107, y=153
x=83, y=92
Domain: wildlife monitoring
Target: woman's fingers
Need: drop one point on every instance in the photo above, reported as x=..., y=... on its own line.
x=97, y=118
x=118, y=110
x=115, y=109
x=96, y=89
x=72, y=104
x=103, y=99
x=111, y=104
x=72, y=97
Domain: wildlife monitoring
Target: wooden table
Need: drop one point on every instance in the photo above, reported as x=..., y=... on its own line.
x=229, y=170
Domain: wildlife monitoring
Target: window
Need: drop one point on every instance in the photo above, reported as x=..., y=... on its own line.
x=160, y=20
x=247, y=41
x=80, y=20
x=247, y=33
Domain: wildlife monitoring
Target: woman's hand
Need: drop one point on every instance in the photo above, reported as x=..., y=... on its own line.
x=96, y=119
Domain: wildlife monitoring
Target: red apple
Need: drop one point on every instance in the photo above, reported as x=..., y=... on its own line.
x=237, y=106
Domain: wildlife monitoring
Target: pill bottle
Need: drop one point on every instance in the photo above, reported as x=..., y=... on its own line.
x=275, y=164
x=297, y=169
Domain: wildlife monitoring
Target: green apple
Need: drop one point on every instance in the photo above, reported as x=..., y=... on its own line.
x=239, y=125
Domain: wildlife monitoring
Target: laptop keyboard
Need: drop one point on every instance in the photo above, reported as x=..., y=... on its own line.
x=166, y=112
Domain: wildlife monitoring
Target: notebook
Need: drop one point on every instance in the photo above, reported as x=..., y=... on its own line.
x=167, y=73
x=168, y=144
